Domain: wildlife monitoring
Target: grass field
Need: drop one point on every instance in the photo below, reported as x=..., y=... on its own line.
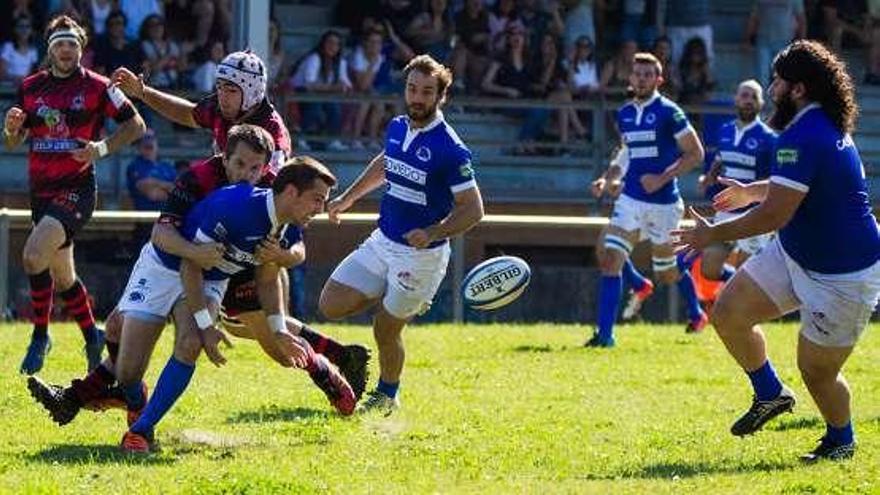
x=486, y=409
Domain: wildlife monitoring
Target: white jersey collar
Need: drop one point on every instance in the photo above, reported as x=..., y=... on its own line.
x=411, y=133
x=270, y=209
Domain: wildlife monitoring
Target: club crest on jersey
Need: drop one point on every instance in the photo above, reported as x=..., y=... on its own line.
x=78, y=103
x=650, y=118
x=423, y=154
x=786, y=156
x=220, y=231
x=751, y=143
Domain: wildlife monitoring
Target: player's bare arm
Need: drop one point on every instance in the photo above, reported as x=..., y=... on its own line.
x=775, y=211
x=371, y=178
x=269, y=293
x=466, y=213
x=13, y=128
x=270, y=251
x=193, y=280
x=168, y=239
x=692, y=154
x=171, y=107
x=128, y=132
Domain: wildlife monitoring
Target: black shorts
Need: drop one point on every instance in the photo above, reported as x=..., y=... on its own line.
x=241, y=294
x=72, y=207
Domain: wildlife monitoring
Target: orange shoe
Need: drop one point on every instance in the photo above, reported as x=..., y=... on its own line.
x=334, y=386
x=636, y=299
x=110, y=398
x=135, y=443
x=132, y=416
x=697, y=326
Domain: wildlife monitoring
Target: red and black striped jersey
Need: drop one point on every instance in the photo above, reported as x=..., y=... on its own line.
x=62, y=113
x=207, y=115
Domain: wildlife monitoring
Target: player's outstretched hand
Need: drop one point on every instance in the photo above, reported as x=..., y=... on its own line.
x=14, y=120
x=693, y=240
x=208, y=255
x=211, y=338
x=130, y=84
x=292, y=348
x=735, y=195
x=418, y=238
x=597, y=187
x=336, y=207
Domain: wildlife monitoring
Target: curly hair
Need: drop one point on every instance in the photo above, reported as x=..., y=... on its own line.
x=824, y=77
x=66, y=22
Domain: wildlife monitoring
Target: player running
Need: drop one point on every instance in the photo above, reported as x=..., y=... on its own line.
x=661, y=145
x=825, y=260
x=744, y=153
x=432, y=195
x=61, y=109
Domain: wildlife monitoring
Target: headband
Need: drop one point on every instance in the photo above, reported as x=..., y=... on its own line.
x=64, y=35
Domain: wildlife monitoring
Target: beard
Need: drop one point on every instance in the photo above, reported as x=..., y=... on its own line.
x=420, y=113
x=746, y=114
x=783, y=113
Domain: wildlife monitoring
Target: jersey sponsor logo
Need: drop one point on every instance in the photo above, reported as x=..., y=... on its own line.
x=737, y=157
x=844, y=143
x=639, y=136
x=785, y=156
x=466, y=170
x=423, y=154
x=643, y=152
x=49, y=145
x=408, y=172
x=54, y=120
x=404, y=193
x=678, y=116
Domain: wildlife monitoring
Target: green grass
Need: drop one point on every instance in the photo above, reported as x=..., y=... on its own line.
x=486, y=409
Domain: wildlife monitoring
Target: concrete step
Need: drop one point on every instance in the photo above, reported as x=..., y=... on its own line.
x=290, y=15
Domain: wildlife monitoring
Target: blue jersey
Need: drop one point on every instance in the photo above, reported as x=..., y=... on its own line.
x=424, y=168
x=746, y=154
x=238, y=216
x=650, y=132
x=833, y=229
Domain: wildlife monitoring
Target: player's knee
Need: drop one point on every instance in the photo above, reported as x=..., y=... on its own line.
x=187, y=348
x=33, y=259
x=723, y=315
x=815, y=373
x=330, y=307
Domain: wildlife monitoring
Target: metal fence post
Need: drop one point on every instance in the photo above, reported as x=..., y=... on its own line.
x=4, y=263
x=457, y=278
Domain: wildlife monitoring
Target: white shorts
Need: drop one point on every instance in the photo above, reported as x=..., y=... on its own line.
x=153, y=289
x=408, y=277
x=750, y=245
x=653, y=221
x=835, y=308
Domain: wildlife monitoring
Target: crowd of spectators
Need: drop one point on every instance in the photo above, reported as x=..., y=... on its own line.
x=552, y=50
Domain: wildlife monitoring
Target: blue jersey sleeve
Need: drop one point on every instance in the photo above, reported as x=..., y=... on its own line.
x=460, y=171
x=678, y=122
x=793, y=166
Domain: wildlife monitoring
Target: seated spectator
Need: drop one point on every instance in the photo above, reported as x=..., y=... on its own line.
x=204, y=77
x=96, y=12
x=431, y=31
x=323, y=70
x=371, y=72
x=640, y=18
x=696, y=79
x=872, y=75
x=582, y=69
x=27, y=8
x=615, y=73
x=162, y=57
x=501, y=17
x=18, y=57
x=113, y=50
x=663, y=51
x=550, y=82
x=276, y=54
x=686, y=19
x=579, y=21
x=509, y=76
x=470, y=57
x=137, y=12
x=149, y=180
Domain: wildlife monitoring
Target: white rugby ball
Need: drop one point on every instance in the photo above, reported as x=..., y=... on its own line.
x=496, y=282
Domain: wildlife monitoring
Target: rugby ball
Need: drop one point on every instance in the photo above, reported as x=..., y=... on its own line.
x=495, y=282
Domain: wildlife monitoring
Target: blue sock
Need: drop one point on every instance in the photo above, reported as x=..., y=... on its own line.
x=727, y=272
x=172, y=382
x=134, y=396
x=632, y=276
x=609, y=298
x=689, y=294
x=765, y=382
x=389, y=389
x=840, y=436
